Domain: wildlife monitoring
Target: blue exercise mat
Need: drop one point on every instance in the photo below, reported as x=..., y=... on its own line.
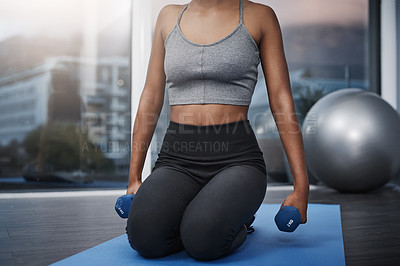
x=318, y=242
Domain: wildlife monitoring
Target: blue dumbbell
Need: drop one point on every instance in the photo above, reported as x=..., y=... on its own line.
x=288, y=218
x=123, y=205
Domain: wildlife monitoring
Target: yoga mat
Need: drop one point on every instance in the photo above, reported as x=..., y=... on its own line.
x=318, y=242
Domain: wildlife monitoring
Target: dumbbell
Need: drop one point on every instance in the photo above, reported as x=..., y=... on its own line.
x=123, y=205
x=288, y=218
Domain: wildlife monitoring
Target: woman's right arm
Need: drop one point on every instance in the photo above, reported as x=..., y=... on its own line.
x=150, y=105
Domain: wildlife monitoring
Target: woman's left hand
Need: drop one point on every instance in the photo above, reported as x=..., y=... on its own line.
x=298, y=200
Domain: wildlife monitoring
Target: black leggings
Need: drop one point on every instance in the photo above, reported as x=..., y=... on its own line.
x=207, y=182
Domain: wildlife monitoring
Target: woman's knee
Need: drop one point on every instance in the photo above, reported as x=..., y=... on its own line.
x=207, y=238
x=148, y=235
x=141, y=237
x=155, y=213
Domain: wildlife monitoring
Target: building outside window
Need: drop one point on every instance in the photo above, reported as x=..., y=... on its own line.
x=65, y=92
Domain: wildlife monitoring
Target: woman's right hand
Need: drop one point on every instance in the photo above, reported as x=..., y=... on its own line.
x=133, y=188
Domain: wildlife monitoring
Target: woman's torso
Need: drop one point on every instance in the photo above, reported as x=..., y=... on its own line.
x=200, y=28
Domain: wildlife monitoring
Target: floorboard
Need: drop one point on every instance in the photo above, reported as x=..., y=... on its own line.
x=40, y=231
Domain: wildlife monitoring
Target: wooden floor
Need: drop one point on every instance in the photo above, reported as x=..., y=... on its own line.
x=40, y=231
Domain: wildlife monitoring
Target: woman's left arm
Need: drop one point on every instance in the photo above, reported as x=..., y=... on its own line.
x=276, y=74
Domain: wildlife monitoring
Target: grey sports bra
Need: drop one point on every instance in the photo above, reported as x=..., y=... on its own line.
x=222, y=72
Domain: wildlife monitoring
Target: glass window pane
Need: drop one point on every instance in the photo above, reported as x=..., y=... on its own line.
x=64, y=93
x=326, y=49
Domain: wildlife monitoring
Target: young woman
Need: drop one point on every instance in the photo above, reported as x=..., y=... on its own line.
x=210, y=177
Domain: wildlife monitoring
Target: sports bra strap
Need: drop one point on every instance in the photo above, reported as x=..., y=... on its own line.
x=241, y=11
x=180, y=14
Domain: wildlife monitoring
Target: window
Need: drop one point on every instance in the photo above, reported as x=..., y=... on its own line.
x=62, y=62
x=326, y=47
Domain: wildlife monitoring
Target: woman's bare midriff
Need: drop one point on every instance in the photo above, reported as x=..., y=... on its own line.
x=208, y=114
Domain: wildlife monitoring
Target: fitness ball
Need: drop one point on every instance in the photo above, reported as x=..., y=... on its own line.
x=352, y=140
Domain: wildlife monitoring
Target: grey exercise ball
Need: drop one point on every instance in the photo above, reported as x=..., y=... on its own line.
x=352, y=140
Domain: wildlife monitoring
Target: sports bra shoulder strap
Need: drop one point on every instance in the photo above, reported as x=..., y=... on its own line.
x=180, y=14
x=241, y=11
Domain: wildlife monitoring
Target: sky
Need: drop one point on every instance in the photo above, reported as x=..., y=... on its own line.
x=56, y=18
